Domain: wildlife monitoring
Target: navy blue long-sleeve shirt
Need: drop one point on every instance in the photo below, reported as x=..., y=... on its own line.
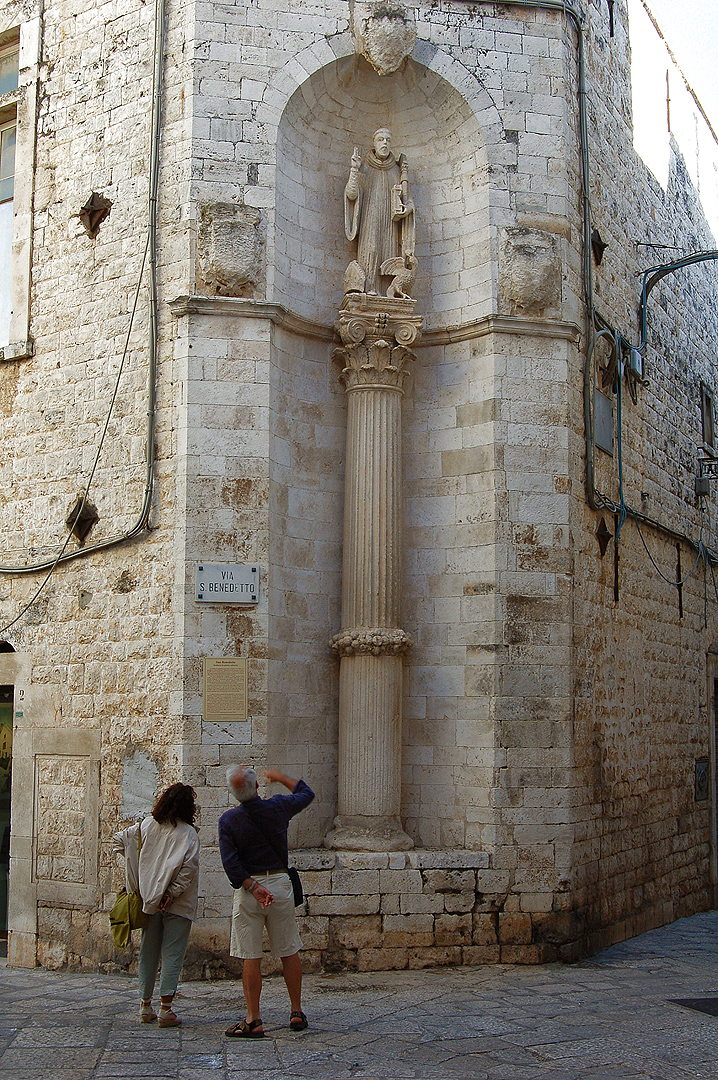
x=242, y=846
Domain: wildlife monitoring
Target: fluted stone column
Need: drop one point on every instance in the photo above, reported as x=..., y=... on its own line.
x=376, y=333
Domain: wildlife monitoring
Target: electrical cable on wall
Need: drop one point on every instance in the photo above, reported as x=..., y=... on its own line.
x=86, y=491
x=149, y=258
x=596, y=499
x=561, y=6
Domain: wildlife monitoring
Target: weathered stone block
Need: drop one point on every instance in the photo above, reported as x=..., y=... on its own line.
x=416, y=903
x=400, y=881
x=362, y=860
x=485, y=929
x=530, y=272
x=312, y=962
x=229, y=249
x=356, y=932
x=528, y=954
x=313, y=859
x=558, y=927
x=435, y=860
x=385, y=959
x=457, y=902
x=493, y=882
x=335, y=959
x=355, y=882
x=400, y=931
x=474, y=955
x=449, y=881
x=536, y=902
x=314, y=931
x=343, y=905
x=514, y=928
x=316, y=882
x=453, y=929
x=434, y=957
x=51, y=954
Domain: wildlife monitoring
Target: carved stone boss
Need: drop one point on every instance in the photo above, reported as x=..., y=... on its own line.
x=377, y=333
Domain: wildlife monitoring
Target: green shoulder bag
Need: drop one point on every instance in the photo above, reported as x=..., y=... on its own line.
x=127, y=914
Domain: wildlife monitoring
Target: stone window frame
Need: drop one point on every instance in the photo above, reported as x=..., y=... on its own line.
x=7, y=177
x=21, y=105
x=708, y=420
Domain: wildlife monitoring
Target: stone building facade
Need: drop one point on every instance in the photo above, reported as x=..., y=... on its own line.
x=558, y=751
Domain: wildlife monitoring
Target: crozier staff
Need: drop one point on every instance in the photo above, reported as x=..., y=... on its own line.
x=378, y=211
x=167, y=881
x=253, y=846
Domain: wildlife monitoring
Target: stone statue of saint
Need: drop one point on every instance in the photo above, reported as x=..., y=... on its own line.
x=379, y=215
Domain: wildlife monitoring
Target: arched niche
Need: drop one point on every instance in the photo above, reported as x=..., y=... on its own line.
x=339, y=107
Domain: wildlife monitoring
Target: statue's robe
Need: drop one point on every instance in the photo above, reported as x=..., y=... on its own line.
x=369, y=217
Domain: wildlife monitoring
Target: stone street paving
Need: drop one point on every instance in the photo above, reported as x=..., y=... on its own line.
x=613, y=1016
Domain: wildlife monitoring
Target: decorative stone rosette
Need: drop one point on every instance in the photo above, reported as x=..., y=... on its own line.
x=371, y=640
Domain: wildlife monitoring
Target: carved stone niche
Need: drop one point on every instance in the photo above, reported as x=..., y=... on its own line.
x=529, y=273
x=385, y=33
x=230, y=250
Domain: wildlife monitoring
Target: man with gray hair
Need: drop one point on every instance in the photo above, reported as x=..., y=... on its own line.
x=255, y=855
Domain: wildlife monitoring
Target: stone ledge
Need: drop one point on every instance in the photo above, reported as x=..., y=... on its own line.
x=17, y=350
x=524, y=326
x=418, y=859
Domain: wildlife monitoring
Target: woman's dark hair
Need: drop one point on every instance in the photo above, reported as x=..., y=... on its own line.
x=178, y=801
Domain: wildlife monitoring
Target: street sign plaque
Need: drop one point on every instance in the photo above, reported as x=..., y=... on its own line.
x=227, y=583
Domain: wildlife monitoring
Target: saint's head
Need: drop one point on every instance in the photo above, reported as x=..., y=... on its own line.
x=382, y=143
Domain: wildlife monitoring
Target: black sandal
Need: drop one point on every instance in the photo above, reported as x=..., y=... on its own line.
x=298, y=1021
x=245, y=1029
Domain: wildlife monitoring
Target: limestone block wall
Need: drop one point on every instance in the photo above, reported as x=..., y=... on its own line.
x=307, y=488
x=97, y=674
x=643, y=692
x=555, y=700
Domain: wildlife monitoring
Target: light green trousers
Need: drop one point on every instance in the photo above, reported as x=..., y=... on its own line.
x=164, y=941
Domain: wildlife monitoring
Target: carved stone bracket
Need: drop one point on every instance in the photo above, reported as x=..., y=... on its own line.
x=374, y=640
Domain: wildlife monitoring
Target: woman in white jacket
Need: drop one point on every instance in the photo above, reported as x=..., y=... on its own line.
x=167, y=880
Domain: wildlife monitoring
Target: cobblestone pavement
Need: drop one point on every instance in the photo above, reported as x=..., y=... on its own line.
x=609, y=1017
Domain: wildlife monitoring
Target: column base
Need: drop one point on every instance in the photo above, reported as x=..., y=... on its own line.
x=368, y=834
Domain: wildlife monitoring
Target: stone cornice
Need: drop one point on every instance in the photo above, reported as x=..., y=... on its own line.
x=251, y=309
x=277, y=314
x=517, y=325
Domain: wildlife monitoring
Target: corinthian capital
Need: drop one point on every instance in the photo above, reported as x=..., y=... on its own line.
x=375, y=364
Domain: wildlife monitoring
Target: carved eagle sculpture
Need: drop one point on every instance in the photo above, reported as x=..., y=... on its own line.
x=403, y=270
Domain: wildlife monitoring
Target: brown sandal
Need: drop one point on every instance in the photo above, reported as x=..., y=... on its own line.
x=245, y=1029
x=298, y=1021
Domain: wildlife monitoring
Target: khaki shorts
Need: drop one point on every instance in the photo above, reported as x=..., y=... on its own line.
x=249, y=919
